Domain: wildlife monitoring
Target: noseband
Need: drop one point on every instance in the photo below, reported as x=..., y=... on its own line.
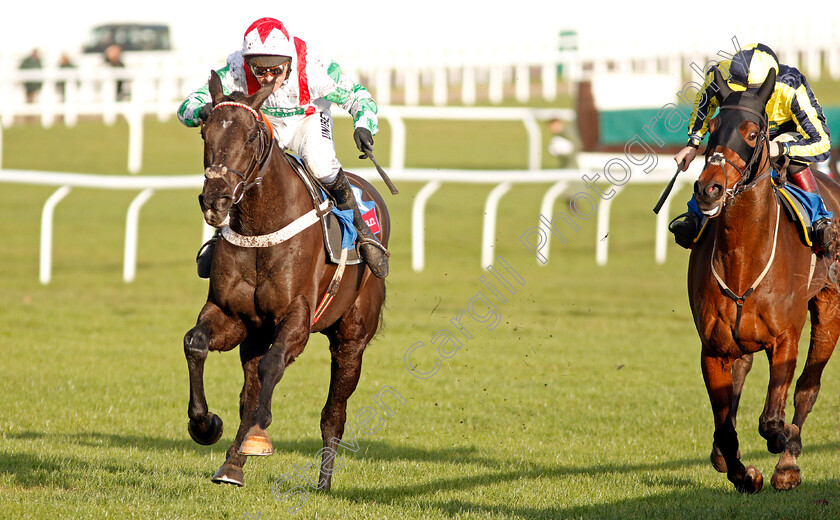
x=262, y=157
x=748, y=176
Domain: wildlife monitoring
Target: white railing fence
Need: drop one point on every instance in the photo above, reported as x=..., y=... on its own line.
x=396, y=116
x=558, y=180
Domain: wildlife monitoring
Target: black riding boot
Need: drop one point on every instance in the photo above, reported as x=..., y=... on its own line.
x=824, y=235
x=822, y=229
x=204, y=258
x=685, y=230
x=371, y=250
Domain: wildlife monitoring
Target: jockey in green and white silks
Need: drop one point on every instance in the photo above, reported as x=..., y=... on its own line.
x=299, y=110
x=305, y=87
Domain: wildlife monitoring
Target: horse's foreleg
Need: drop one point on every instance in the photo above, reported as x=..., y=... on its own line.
x=740, y=368
x=291, y=336
x=717, y=373
x=250, y=352
x=825, y=330
x=213, y=331
x=771, y=424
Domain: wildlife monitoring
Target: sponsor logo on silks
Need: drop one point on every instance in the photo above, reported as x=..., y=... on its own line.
x=367, y=209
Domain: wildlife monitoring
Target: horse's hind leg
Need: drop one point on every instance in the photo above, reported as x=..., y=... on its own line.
x=740, y=368
x=214, y=331
x=348, y=340
x=250, y=352
x=825, y=330
x=717, y=373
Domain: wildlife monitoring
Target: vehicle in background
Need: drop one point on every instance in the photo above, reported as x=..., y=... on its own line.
x=129, y=36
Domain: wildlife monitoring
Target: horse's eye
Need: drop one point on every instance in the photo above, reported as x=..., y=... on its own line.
x=252, y=137
x=753, y=135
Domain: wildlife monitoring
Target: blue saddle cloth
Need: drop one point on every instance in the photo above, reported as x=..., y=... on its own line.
x=345, y=220
x=813, y=203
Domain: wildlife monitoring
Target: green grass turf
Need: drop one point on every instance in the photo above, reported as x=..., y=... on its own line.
x=585, y=400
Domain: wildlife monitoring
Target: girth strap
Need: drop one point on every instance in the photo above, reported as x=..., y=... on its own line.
x=279, y=236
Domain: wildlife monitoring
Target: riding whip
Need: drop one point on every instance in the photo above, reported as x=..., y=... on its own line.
x=667, y=190
x=382, y=173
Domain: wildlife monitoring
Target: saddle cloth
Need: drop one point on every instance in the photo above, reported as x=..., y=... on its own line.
x=796, y=211
x=337, y=225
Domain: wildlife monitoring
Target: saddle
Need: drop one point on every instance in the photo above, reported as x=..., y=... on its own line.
x=334, y=225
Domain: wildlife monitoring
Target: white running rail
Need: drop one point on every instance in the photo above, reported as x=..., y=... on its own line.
x=504, y=181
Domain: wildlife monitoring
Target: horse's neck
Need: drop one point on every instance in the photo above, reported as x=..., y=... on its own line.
x=745, y=231
x=279, y=199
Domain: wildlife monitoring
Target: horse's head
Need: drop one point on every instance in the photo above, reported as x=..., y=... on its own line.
x=738, y=144
x=237, y=140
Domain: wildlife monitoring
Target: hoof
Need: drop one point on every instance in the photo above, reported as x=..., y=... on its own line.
x=211, y=435
x=229, y=474
x=256, y=443
x=786, y=478
x=753, y=481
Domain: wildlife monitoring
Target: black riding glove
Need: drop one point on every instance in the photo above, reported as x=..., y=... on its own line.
x=204, y=112
x=364, y=141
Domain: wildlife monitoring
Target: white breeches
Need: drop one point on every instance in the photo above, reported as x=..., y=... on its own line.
x=312, y=141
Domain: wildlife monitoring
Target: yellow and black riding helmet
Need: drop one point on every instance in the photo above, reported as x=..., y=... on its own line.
x=750, y=66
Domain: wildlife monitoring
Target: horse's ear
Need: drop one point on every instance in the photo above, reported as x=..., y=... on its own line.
x=723, y=89
x=766, y=89
x=261, y=95
x=215, y=84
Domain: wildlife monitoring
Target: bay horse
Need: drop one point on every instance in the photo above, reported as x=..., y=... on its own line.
x=751, y=283
x=263, y=299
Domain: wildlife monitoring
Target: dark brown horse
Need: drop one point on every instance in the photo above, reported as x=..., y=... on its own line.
x=751, y=284
x=263, y=298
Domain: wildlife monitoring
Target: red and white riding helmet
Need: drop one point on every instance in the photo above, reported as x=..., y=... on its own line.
x=267, y=37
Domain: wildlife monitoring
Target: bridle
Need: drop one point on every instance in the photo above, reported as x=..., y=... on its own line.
x=748, y=176
x=262, y=157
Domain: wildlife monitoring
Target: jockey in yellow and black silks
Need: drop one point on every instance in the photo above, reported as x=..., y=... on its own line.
x=797, y=126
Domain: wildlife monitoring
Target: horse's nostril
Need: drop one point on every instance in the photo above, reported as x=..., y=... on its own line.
x=222, y=204
x=708, y=192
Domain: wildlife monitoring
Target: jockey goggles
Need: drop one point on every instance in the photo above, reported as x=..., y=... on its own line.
x=275, y=71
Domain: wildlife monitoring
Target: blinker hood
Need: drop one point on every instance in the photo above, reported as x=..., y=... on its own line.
x=729, y=121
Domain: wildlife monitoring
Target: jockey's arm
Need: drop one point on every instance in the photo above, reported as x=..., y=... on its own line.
x=352, y=97
x=705, y=104
x=815, y=143
x=188, y=112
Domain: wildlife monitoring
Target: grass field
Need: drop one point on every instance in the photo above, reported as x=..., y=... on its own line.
x=580, y=397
